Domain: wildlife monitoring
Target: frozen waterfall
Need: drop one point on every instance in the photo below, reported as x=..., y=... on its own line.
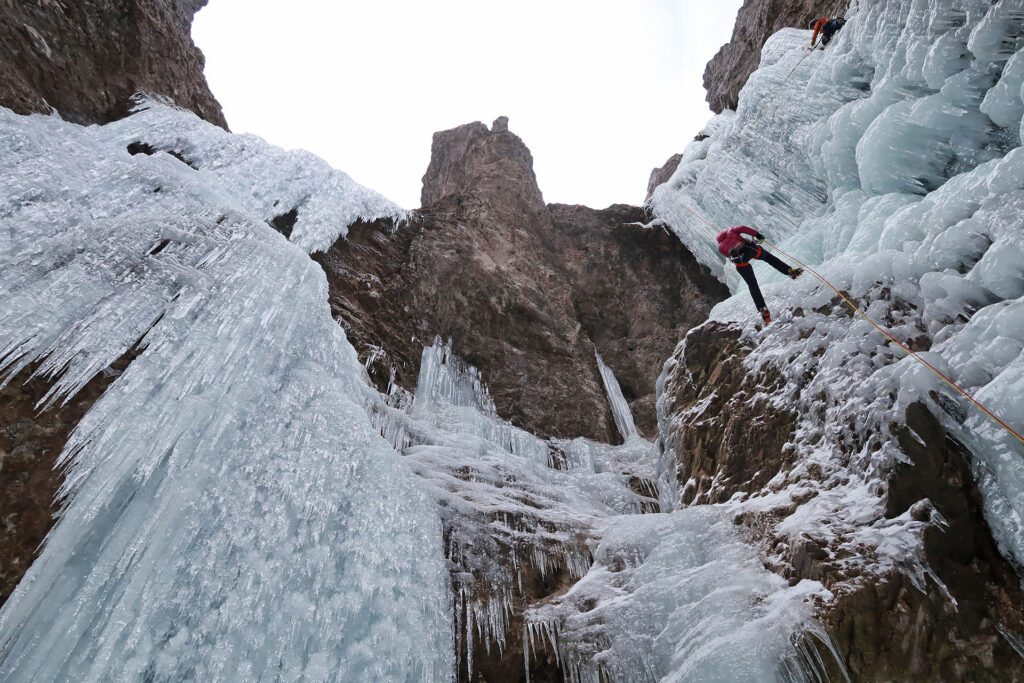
x=228, y=512
x=242, y=504
x=892, y=163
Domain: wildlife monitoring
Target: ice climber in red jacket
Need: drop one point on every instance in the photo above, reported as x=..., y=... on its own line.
x=740, y=251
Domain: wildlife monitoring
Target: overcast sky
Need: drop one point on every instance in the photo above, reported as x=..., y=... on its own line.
x=601, y=92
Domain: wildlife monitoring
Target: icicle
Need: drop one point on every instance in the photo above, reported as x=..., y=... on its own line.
x=621, y=413
x=1015, y=640
x=526, y=650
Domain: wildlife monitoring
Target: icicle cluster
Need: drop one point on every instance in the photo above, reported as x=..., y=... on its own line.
x=228, y=510
x=256, y=177
x=677, y=596
x=511, y=503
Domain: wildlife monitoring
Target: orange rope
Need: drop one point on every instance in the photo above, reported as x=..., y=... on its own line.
x=862, y=314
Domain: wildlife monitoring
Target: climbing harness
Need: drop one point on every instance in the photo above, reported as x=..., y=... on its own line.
x=862, y=314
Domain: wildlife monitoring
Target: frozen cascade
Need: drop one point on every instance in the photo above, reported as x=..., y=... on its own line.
x=228, y=511
x=681, y=597
x=510, y=502
x=621, y=413
x=892, y=163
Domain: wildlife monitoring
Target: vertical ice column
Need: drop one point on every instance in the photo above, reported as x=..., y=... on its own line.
x=445, y=379
x=450, y=394
x=620, y=408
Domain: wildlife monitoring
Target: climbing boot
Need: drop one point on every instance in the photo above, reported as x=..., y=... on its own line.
x=765, y=315
x=795, y=272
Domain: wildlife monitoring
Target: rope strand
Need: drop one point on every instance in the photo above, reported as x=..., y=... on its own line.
x=913, y=354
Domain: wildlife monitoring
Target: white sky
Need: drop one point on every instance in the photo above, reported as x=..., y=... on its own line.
x=600, y=91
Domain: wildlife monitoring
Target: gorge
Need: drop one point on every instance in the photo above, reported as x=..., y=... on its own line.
x=304, y=433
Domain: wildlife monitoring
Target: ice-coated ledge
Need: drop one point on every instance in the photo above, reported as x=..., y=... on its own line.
x=258, y=177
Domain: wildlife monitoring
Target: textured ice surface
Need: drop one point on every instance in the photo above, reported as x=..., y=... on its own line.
x=229, y=512
x=679, y=597
x=891, y=162
x=620, y=408
x=257, y=177
x=511, y=503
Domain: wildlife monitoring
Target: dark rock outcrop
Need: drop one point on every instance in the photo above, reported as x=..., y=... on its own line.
x=526, y=291
x=662, y=173
x=727, y=436
x=86, y=58
x=728, y=71
x=889, y=629
x=635, y=292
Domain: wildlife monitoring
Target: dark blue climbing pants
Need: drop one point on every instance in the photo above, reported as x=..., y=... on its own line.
x=742, y=255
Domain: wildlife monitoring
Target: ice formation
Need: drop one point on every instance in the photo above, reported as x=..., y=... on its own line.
x=510, y=502
x=257, y=177
x=236, y=507
x=673, y=595
x=892, y=163
x=681, y=597
x=229, y=511
x=620, y=408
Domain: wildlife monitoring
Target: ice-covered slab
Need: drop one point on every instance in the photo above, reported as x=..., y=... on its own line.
x=510, y=502
x=679, y=597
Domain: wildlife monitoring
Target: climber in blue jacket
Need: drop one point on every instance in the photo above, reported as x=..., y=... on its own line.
x=828, y=27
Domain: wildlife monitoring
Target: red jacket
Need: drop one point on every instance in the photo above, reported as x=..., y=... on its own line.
x=727, y=239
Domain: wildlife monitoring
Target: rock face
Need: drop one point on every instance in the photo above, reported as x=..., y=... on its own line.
x=86, y=58
x=662, y=173
x=890, y=629
x=729, y=70
x=635, y=292
x=726, y=433
x=526, y=291
x=729, y=436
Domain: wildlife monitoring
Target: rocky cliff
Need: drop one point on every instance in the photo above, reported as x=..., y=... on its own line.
x=86, y=58
x=729, y=69
x=662, y=173
x=527, y=291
